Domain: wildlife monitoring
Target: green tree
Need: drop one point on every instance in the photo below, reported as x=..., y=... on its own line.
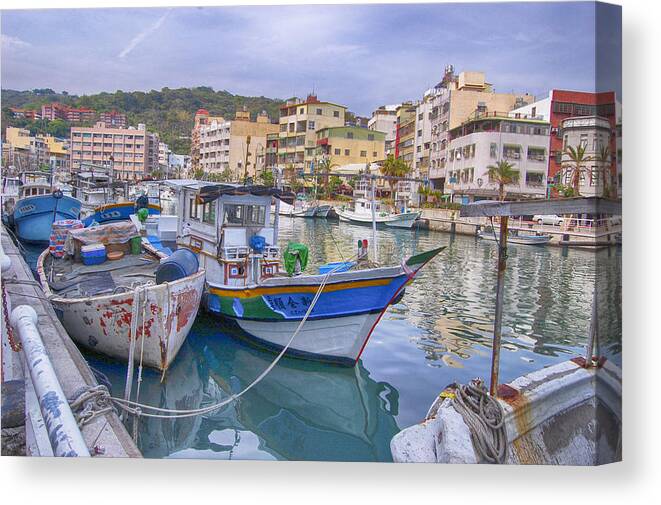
x=267, y=178
x=604, y=158
x=575, y=167
x=394, y=167
x=502, y=173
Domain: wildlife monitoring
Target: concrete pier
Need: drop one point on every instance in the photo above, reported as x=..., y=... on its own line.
x=104, y=434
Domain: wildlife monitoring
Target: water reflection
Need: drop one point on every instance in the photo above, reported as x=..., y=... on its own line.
x=440, y=332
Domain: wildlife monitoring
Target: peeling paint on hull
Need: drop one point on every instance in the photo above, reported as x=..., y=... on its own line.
x=103, y=323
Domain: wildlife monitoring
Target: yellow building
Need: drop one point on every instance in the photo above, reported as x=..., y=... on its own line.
x=347, y=145
x=299, y=122
x=405, y=140
x=18, y=138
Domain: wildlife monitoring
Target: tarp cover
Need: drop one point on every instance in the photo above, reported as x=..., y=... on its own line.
x=212, y=192
x=111, y=233
x=294, y=253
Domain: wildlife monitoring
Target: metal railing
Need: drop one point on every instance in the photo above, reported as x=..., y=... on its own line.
x=63, y=432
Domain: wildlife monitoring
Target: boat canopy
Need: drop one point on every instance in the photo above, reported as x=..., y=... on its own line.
x=212, y=192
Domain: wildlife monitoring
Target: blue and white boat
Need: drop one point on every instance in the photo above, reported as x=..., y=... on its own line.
x=235, y=234
x=39, y=205
x=112, y=212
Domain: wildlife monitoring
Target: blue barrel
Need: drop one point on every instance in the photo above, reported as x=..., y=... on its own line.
x=257, y=243
x=180, y=264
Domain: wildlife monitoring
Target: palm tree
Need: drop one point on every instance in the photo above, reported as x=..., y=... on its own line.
x=604, y=159
x=502, y=173
x=577, y=159
x=394, y=167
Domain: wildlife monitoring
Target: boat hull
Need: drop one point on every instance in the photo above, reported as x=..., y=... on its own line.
x=352, y=217
x=103, y=323
x=116, y=212
x=339, y=325
x=322, y=211
x=532, y=240
x=405, y=220
x=34, y=216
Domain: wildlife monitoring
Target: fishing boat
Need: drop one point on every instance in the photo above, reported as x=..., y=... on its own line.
x=362, y=214
x=121, y=211
x=140, y=306
x=39, y=205
x=516, y=237
x=261, y=292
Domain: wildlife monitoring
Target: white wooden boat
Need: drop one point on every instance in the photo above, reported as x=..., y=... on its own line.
x=362, y=214
x=564, y=414
x=114, y=306
x=516, y=237
x=248, y=289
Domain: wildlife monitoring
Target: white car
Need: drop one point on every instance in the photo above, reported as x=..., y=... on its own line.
x=552, y=219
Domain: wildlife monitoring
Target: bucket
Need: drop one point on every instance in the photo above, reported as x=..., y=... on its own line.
x=180, y=264
x=136, y=245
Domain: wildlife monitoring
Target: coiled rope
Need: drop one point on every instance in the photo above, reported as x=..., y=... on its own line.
x=485, y=419
x=138, y=409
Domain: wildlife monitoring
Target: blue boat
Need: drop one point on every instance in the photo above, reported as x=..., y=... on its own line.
x=116, y=212
x=34, y=215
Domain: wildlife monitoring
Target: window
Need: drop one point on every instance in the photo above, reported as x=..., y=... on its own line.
x=419, y=133
x=420, y=116
x=584, y=140
x=370, y=136
x=337, y=151
x=301, y=110
x=375, y=154
x=336, y=113
x=255, y=215
x=209, y=213
x=233, y=215
x=310, y=125
x=319, y=112
x=347, y=152
x=349, y=135
x=363, y=154
x=533, y=112
x=493, y=150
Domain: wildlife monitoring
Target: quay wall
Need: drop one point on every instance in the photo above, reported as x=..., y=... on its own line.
x=105, y=435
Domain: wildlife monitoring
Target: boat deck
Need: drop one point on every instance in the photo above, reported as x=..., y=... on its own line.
x=71, y=279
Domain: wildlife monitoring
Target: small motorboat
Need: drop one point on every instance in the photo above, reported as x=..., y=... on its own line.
x=298, y=208
x=516, y=237
x=362, y=214
x=141, y=305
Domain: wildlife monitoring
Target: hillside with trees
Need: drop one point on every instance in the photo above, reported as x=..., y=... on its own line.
x=168, y=112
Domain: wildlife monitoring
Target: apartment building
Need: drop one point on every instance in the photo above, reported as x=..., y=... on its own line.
x=33, y=152
x=594, y=133
x=299, y=122
x=113, y=119
x=384, y=119
x=347, y=145
x=489, y=137
x=453, y=100
x=561, y=105
x=271, y=152
x=202, y=118
x=164, y=153
x=405, y=135
x=131, y=152
x=235, y=145
x=54, y=111
x=25, y=113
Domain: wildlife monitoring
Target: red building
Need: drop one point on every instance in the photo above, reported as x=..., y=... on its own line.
x=566, y=104
x=54, y=111
x=113, y=119
x=25, y=113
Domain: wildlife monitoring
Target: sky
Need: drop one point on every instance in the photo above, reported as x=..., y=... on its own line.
x=361, y=56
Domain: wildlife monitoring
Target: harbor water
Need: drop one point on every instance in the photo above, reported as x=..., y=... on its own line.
x=439, y=333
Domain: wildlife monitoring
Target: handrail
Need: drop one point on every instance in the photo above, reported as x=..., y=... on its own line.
x=63, y=432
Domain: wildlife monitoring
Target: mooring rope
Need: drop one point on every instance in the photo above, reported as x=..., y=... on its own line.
x=136, y=408
x=484, y=417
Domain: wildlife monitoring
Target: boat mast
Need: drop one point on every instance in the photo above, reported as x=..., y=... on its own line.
x=372, y=205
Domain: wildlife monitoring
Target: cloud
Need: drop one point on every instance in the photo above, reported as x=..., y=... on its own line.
x=143, y=35
x=8, y=41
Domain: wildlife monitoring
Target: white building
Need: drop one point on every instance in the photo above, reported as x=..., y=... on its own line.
x=384, y=119
x=163, y=155
x=492, y=137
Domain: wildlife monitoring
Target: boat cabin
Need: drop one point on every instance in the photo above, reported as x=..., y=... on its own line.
x=232, y=229
x=364, y=206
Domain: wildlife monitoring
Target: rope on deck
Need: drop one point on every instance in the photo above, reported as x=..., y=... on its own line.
x=484, y=417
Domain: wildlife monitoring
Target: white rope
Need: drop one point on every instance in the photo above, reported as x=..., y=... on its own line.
x=128, y=405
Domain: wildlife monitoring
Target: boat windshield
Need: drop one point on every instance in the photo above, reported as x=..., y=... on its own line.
x=244, y=215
